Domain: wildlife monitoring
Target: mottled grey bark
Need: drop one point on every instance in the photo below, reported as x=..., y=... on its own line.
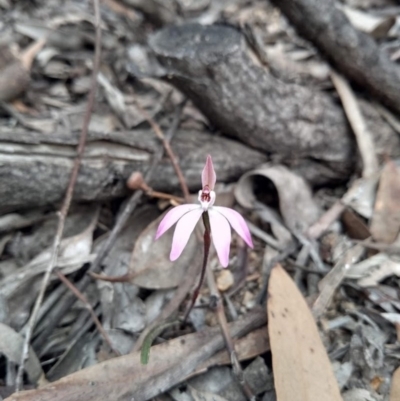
x=354, y=53
x=35, y=168
x=302, y=127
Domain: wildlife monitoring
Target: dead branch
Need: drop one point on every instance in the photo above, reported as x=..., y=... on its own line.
x=354, y=53
x=34, y=166
x=213, y=67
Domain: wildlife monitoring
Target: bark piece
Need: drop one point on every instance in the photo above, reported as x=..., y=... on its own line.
x=213, y=66
x=354, y=53
x=35, y=167
x=126, y=379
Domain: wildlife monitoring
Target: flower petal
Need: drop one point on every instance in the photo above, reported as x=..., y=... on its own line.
x=221, y=235
x=173, y=216
x=237, y=222
x=208, y=176
x=184, y=228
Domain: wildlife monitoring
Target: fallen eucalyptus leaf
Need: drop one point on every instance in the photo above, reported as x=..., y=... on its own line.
x=395, y=390
x=302, y=370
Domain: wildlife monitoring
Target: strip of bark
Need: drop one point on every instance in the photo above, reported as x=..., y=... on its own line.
x=34, y=167
x=124, y=378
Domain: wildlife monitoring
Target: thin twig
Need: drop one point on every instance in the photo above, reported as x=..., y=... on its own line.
x=325, y=221
x=119, y=225
x=83, y=299
x=223, y=323
x=67, y=200
x=158, y=131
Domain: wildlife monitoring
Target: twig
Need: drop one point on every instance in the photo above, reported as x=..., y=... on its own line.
x=325, y=221
x=121, y=221
x=158, y=131
x=223, y=323
x=363, y=136
x=83, y=299
x=67, y=200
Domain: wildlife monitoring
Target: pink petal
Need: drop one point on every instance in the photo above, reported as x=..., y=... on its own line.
x=221, y=235
x=208, y=176
x=172, y=217
x=183, y=229
x=237, y=222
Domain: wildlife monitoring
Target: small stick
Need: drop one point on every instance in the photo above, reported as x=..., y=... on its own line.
x=158, y=131
x=119, y=225
x=67, y=200
x=325, y=221
x=83, y=299
x=223, y=323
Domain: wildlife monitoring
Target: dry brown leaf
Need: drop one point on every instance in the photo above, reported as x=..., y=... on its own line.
x=355, y=226
x=150, y=264
x=385, y=222
x=395, y=390
x=302, y=370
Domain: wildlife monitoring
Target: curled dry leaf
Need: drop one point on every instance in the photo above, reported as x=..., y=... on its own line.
x=302, y=370
x=385, y=224
x=150, y=264
x=296, y=203
x=11, y=346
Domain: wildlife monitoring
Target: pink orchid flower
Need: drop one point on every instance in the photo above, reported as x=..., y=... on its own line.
x=187, y=216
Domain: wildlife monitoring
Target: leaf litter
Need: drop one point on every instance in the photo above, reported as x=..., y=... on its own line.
x=348, y=273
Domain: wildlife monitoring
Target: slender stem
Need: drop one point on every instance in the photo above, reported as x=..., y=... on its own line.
x=207, y=244
x=67, y=200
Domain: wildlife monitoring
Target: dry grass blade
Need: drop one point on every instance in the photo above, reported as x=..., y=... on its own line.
x=363, y=136
x=302, y=370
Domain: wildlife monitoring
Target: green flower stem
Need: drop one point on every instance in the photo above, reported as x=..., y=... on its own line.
x=148, y=341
